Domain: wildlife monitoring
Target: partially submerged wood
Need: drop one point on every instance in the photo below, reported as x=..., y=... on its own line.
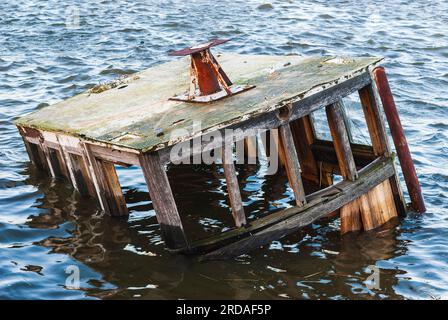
x=233, y=188
x=133, y=115
x=292, y=164
x=134, y=123
x=282, y=223
x=163, y=201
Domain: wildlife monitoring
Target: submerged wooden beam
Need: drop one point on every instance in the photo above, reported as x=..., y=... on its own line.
x=163, y=201
x=233, y=188
x=304, y=138
x=106, y=183
x=378, y=136
x=81, y=175
x=279, y=224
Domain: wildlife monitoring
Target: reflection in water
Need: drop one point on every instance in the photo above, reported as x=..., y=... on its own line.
x=130, y=256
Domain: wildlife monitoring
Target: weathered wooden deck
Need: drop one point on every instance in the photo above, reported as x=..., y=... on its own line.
x=132, y=116
x=132, y=122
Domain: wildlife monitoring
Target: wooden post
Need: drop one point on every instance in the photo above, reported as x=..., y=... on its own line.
x=399, y=138
x=380, y=143
x=291, y=161
x=163, y=201
x=350, y=213
x=107, y=185
x=372, y=209
x=35, y=155
x=45, y=156
x=341, y=142
x=81, y=174
x=232, y=186
x=303, y=134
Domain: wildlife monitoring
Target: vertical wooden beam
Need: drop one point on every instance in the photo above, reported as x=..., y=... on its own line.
x=304, y=136
x=250, y=149
x=36, y=156
x=380, y=143
x=84, y=183
x=292, y=163
x=163, y=201
x=341, y=142
x=399, y=138
x=55, y=163
x=351, y=212
x=107, y=185
x=233, y=188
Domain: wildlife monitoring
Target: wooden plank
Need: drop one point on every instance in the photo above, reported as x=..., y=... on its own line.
x=45, y=154
x=341, y=142
x=120, y=157
x=113, y=194
x=56, y=165
x=292, y=164
x=35, y=156
x=233, y=188
x=270, y=119
x=250, y=149
x=119, y=114
x=287, y=221
x=381, y=169
x=303, y=134
x=324, y=151
x=163, y=201
x=84, y=184
x=351, y=215
x=375, y=123
x=106, y=183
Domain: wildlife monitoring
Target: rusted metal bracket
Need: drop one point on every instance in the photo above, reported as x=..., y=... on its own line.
x=208, y=81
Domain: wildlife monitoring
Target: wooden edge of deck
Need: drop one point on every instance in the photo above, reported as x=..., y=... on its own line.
x=270, y=120
x=279, y=224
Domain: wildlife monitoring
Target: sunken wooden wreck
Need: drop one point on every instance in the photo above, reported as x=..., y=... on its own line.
x=130, y=123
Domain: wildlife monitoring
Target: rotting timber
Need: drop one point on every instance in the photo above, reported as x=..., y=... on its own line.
x=83, y=138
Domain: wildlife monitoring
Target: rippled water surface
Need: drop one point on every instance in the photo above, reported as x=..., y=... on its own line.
x=46, y=227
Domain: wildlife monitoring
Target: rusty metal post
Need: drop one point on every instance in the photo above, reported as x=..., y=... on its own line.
x=208, y=81
x=401, y=145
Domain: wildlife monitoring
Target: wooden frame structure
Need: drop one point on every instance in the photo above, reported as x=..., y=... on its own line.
x=368, y=196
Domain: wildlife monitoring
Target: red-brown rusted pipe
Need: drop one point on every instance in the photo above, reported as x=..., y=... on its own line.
x=401, y=145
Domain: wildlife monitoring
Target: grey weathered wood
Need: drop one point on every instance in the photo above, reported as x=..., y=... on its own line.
x=374, y=121
x=107, y=185
x=130, y=116
x=324, y=151
x=341, y=141
x=163, y=201
x=35, y=156
x=287, y=221
x=111, y=187
x=292, y=164
x=233, y=188
x=120, y=157
x=80, y=169
x=57, y=164
x=270, y=120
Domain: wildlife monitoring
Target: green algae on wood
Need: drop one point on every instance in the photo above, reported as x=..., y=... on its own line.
x=140, y=116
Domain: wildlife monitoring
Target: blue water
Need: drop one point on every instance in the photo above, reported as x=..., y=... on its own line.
x=46, y=227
